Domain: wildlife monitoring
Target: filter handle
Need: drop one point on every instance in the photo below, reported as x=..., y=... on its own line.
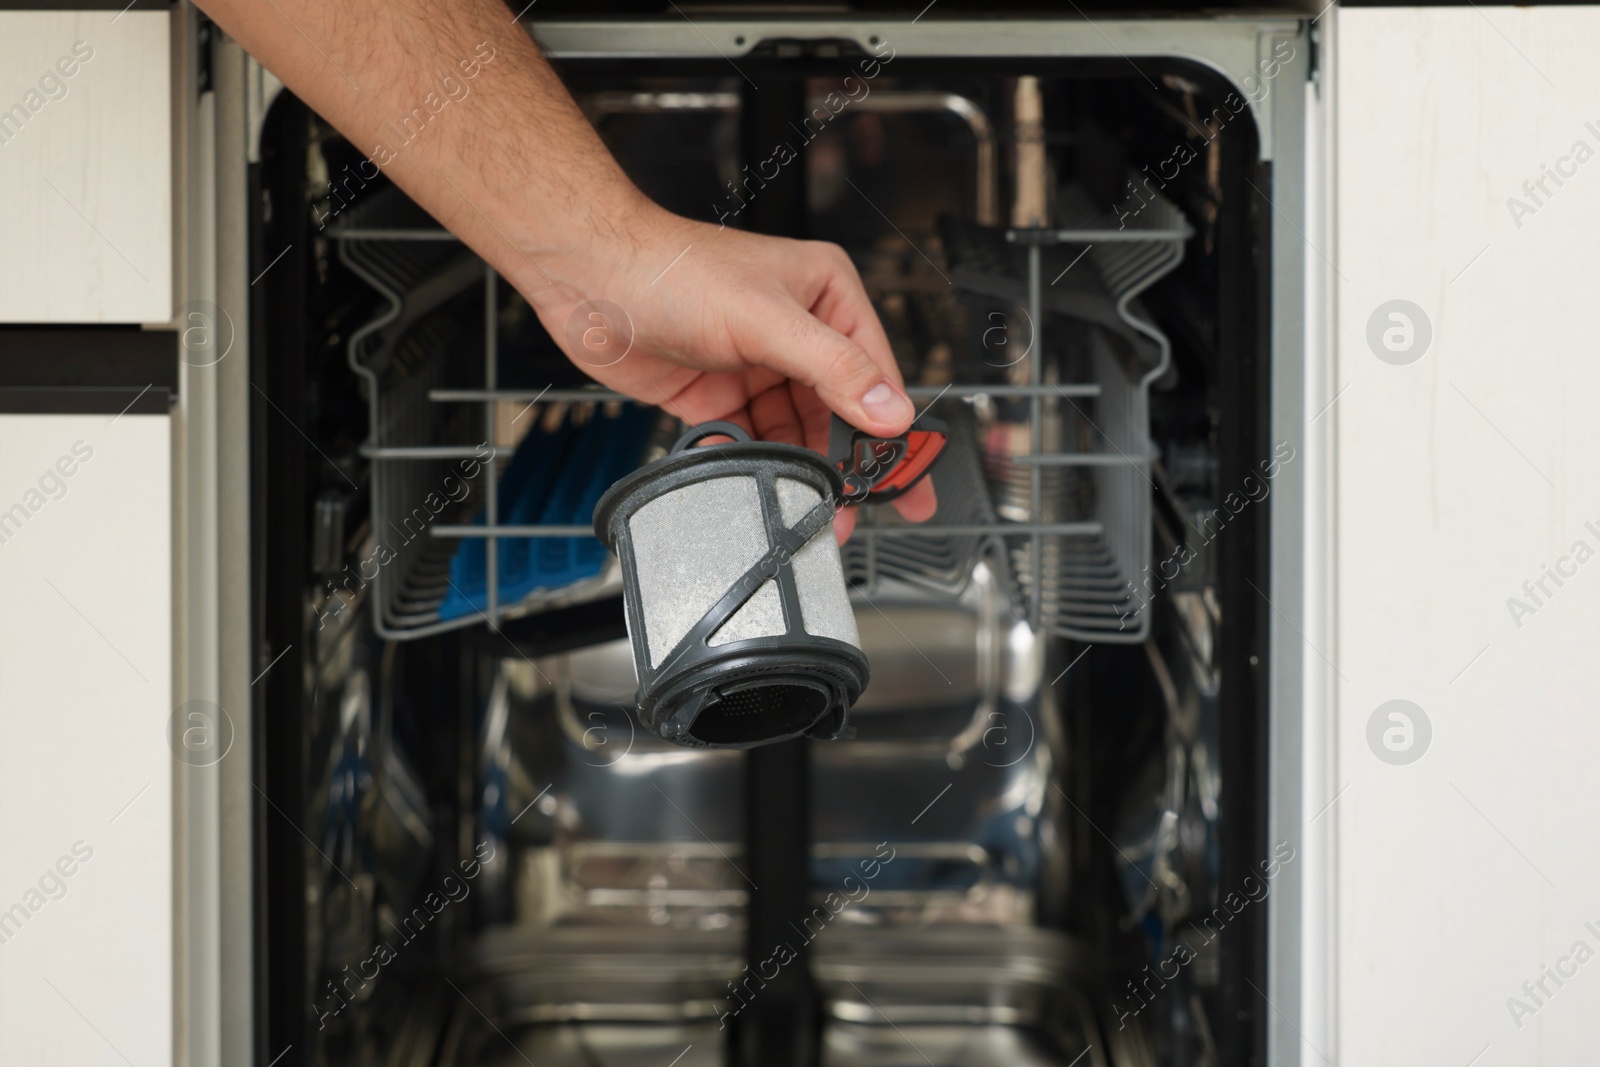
x=876, y=470
x=695, y=434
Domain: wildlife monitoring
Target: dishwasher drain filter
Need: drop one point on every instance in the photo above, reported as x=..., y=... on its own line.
x=734, y=594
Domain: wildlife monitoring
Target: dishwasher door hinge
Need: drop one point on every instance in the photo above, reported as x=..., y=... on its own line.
x=205, y=39
x=1314, y=56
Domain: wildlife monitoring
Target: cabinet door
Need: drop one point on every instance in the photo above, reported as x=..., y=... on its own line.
x=86, y=771
x=85, y=166
x=1467, y=186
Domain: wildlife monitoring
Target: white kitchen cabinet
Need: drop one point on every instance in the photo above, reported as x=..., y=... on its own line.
x=86, y=782
x=1465, y=183
x=86, y=170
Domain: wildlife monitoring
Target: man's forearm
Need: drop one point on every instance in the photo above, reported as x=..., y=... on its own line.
x=453, y=101
x=456, y=105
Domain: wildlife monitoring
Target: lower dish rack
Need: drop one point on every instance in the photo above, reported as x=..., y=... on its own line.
x=1046, y=477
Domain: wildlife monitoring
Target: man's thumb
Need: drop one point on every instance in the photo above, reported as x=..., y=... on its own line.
x=845, y=377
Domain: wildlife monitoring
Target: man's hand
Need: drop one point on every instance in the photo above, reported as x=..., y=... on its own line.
x=768, y=332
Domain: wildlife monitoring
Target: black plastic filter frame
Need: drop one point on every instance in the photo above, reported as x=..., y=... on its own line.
x=759, y=690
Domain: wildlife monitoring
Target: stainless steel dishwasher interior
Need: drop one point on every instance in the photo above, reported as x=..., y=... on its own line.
x=630, y=896
x=999, y=860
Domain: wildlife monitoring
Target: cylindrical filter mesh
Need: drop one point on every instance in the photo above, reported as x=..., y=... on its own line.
x=735, y=597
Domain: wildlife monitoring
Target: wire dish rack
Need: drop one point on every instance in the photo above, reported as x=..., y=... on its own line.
x=1046, y=475
x=435, y=463
x=1076, y=453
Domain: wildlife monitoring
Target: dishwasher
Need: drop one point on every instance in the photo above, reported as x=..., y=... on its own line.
x=1041, y=840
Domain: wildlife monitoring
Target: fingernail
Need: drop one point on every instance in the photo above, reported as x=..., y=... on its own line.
x=884, y=401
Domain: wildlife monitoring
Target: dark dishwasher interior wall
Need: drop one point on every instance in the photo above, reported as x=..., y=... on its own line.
x=472, y=856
